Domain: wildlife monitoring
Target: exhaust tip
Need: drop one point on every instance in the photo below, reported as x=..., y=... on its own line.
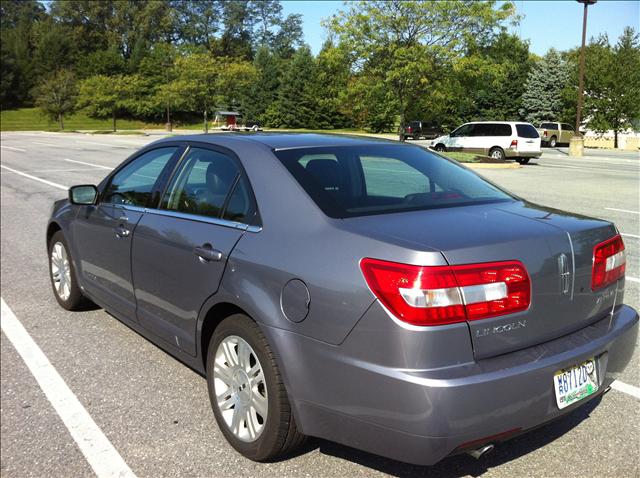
x=479, y=452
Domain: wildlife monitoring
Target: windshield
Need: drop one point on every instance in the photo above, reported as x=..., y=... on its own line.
x=351, y=181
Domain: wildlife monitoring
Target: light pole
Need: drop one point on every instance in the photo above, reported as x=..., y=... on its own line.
x=576, y=145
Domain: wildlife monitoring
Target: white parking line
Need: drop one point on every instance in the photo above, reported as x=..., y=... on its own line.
x=94, y=445
x=626, y=388
x=621, y=210
x=55, y=185
x=111, y=145
x=632, y=279
x=88, y=164
x=624, y=234
x=14, y=149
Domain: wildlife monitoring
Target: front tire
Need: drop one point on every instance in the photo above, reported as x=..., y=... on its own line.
x=63, y=275
x=247, y=394
x=440, y=148
x=497, y=153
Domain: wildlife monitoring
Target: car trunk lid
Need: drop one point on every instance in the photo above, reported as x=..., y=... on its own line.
x=555, y=247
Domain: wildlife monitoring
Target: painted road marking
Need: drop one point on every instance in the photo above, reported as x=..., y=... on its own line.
x=624, y=234
x=111, y=145
x=88, y=164
x=621, y=210
x=632, y=279
x=55, y=185
x=626, y=388
x=94, y=445
x=13, y=149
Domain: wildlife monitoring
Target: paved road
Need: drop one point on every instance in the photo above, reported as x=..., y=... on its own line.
x=155, y=411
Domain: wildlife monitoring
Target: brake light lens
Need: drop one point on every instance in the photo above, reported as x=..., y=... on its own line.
x=439, y=295
x=514, y=143
x=544, y=133
x=609, y=263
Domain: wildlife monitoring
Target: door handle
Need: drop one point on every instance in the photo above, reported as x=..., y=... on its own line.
x=122, y=231
x=207, y=253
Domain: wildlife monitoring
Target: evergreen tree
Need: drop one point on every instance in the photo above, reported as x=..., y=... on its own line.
x=542, y=99
x=296, y=105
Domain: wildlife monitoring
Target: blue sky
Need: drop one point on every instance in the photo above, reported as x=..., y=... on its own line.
x=545, y=23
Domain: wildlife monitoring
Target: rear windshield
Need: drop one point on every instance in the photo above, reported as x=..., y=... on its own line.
x=527, y=131
x=549, y=125
x=350, y=181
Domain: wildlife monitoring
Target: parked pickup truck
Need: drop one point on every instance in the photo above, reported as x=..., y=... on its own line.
x=553, y=133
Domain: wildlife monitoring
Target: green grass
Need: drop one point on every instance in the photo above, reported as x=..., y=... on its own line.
x=31, y=119
x=466, y=157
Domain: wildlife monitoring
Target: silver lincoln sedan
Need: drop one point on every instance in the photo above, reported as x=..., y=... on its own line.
x=368, y=292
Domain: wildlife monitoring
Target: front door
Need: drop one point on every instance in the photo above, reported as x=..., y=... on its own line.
x=102, y=233
x=181, y=249
x=460, y=139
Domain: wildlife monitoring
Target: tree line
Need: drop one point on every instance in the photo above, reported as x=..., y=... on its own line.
x=384, y=63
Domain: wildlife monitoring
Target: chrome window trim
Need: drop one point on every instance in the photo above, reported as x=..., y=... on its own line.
x=208, y=220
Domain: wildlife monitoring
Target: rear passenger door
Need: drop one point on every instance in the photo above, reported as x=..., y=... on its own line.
x=180, y=248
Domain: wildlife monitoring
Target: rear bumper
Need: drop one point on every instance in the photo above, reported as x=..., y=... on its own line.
x=510, y=153
x=421, y=416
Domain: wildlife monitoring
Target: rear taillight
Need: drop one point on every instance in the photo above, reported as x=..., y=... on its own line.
x=438, y=295
x=409, y=129
x=544, y=133
x=514, y=143
x=609, y=262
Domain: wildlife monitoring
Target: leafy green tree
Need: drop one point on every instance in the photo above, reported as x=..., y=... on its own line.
x=612, y=84
x=196, y=83
x=400, y=43
x=157, y=72
x=239, y=22
x=543, y=99
x=54, y=48
x=331, y=82
x=103, y=96
x=197, y=22
x=18, y=19
x=56, y=95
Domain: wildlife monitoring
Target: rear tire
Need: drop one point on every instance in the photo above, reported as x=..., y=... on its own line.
x=553, y=142
x=523, y=160
x=254, y=380
x=497, y=153
x=63, y=275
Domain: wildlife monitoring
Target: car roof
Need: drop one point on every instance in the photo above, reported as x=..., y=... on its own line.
x=279, y=141
x=497, y=122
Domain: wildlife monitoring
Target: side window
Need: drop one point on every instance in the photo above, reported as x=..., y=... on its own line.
x=464, y=130
x=134, y=183
x=392, y=178
x=240, y=207
x=202, y=183
x=502, y=129
x=484, y=129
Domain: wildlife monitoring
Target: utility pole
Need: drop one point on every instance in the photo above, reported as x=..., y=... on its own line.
x=576, y=146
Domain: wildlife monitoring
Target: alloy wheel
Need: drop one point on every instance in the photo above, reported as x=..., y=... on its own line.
x=61, y=271
x=240, y=387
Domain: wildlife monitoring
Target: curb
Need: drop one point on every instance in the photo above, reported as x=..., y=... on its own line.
x=492, y=165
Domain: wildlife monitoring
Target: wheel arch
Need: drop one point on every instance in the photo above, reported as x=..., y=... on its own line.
x=212, y=318
x=52, y=228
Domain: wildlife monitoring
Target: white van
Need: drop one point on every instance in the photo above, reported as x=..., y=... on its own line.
x=498, y=139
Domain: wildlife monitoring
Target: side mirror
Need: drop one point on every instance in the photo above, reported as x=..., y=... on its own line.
x=84, y=195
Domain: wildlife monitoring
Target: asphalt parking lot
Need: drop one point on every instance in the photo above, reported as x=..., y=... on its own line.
x=154, y=412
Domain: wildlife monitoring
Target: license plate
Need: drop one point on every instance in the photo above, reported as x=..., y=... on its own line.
x=575, y=383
